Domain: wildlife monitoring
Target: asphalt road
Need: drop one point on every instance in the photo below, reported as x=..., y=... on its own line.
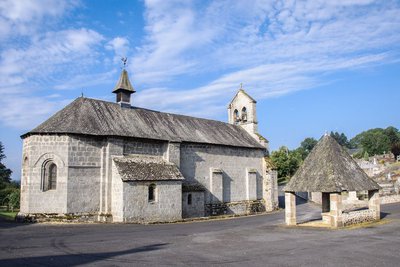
x=247, y=241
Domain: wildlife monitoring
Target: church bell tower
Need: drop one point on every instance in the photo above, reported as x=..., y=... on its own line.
x=242, y=112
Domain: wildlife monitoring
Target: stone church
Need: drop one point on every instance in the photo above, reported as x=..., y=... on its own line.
x=104, y=161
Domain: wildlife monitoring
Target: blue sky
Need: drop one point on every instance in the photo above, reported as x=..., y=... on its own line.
x=313, y=66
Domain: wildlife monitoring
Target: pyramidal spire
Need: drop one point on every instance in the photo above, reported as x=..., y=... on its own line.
x=330, y=168
x=123, y=89
x=124, y=83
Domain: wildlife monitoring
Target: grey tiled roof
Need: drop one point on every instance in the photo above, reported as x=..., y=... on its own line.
x=146, y=168
x=100, y=118
x=329, y=168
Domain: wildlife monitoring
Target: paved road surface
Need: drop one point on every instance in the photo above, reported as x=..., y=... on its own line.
x=246, y=241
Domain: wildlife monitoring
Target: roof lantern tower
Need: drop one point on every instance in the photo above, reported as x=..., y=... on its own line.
x=124, y=88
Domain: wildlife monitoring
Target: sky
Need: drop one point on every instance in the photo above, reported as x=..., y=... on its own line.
x=313, y=66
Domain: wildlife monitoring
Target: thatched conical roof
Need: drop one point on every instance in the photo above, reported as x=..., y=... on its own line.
x=329, y=168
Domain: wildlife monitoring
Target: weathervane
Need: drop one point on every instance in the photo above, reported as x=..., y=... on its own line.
x=124, y=60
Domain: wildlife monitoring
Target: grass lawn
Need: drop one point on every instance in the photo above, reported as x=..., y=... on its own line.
x=8, y=215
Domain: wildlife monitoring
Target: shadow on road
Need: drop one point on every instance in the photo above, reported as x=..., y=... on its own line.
x=74, y=259
x=6, y=224
x=299, y=201
x=384, y=214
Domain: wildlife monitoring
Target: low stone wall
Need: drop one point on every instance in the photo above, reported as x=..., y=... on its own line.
x=238, y=208
x=54, y=217
x=390, y=199
x=358, y=216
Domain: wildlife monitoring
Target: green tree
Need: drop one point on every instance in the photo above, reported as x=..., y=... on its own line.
x=5, y=173
x=395, y=149
x=9, y=190
x=374, y=141
x=393, y=134
x=12, y=199
x=287, y=162
x=306, y=146
x=341, y=138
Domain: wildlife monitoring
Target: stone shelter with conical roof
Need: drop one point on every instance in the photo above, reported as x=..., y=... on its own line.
x=329, y=169
x=115, y=162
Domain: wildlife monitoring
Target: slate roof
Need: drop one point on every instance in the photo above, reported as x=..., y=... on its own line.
x=329, y=168
x=100, y=118
x=146, y=168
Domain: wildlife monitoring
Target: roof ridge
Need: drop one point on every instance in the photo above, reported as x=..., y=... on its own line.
x=163, y=112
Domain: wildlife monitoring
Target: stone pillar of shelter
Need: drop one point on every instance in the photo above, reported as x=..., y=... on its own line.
x=374, y=203
x=336, y=207
x=290, y=208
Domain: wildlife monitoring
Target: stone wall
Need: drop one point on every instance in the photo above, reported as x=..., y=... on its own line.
x=83, y=190
x=358, y=216
x=390, y=199
x=84, y=165
x=84, y=151
x=38, y=149
x=153, y=148
x=389, y=192
x=166, y=208
x=197, y=162
x=196, y=208
x=85, y=183
x=239, y=208
x=271, y=194
x=117, y=191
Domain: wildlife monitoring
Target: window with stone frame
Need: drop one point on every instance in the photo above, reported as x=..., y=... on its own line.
x=244, y=114
x=189, y=199
x=49, y=176
x=152, y=196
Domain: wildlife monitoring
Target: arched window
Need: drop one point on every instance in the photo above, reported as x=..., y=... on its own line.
x=189, y=199
x=236, y=117
x=49, y=176
x=244, y=114
x=152, y=193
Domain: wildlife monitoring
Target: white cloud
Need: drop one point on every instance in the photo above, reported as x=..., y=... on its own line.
x=86, y=80
x=273, y=48
x=173, y=37
x=26, y=112
x=23, y=17
x=48, y=55
x=211, y=100
x=120, y=46
x=35, y=57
